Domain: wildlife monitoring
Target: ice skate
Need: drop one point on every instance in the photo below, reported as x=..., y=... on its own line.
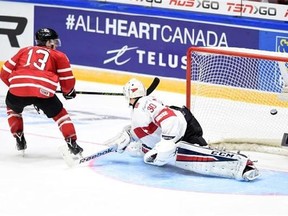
x=20, y=142
x=250, y=173
x=74, y=148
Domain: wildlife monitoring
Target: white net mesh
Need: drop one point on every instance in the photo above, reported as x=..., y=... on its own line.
x=232, y=95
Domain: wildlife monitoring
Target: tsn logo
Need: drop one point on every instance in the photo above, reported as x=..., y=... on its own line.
x=250, y=9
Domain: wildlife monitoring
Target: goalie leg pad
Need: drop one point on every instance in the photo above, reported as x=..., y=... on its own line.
x=213, y=162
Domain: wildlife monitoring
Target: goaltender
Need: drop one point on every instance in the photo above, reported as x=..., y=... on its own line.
x=164, y=134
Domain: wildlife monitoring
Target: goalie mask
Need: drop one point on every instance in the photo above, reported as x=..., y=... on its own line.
x=134, y=89
x=46, y=34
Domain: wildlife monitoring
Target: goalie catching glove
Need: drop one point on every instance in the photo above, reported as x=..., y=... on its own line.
x=123, y=139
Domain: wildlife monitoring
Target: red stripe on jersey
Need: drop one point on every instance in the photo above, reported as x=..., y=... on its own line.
x=144, y=131
x=164, y=114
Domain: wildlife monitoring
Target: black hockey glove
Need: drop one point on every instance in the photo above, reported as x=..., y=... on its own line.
x=70, y=95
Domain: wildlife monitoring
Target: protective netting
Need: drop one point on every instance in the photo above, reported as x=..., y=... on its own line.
x=232, y=94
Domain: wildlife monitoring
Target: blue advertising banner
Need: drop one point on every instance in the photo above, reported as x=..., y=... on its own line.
x=141, y=44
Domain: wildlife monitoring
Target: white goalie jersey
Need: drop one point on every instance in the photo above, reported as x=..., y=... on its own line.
x=152, y=120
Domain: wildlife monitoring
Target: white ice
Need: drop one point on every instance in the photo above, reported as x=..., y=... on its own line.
x=41, y=184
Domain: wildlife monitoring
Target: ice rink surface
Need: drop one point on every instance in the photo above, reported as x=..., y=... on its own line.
x=41, y=184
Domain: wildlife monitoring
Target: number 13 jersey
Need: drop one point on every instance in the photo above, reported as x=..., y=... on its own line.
x=36, y=71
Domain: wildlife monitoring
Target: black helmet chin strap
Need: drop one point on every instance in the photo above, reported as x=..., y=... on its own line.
x=136, y=99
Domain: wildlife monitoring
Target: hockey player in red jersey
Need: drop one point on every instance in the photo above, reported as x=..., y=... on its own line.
x=32, y=76
x=163, y=134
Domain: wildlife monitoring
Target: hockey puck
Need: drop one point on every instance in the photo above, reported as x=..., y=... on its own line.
x=273, y=112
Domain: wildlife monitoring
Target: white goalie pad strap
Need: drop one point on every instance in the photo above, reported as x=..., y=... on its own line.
x=208, y=161
x=165, y=152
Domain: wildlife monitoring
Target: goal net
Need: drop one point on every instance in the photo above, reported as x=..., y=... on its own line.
x=233, y=91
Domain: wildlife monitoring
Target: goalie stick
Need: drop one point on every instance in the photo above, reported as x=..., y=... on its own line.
x=68, y=157
x=153, y=85
x=96, y=93
x=71, y=162
x=150, y=89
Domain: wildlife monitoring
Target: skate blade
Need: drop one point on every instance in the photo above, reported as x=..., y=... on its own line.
x=22, y=152
x=67, y=156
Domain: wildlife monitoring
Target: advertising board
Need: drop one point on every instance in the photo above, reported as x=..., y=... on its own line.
x=16, y=27
x=115, y=40
x=142, y=44
x=245, y=8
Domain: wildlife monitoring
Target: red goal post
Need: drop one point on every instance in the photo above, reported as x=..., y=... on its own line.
x=232, y=92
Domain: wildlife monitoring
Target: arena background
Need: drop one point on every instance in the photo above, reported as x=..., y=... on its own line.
x=107, y=44
x=110, y=42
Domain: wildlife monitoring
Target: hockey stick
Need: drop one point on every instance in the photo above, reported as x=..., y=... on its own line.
x=70, y=161
x=68, y=157
x=150, y=89
x=97, y=93
x=153, y=85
